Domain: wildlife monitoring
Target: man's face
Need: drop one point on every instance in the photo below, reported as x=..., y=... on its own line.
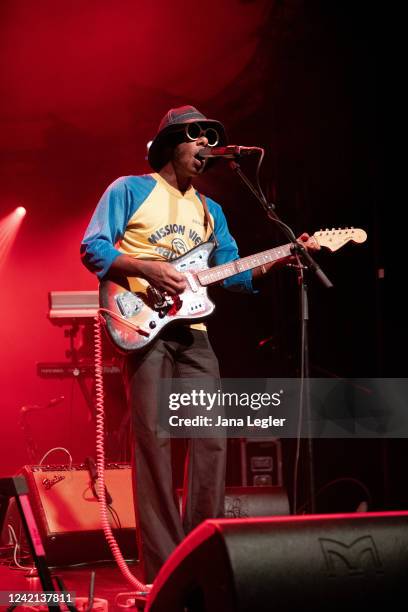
x=185, y=160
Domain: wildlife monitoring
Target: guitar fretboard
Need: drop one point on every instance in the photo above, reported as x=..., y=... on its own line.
x=214, y=275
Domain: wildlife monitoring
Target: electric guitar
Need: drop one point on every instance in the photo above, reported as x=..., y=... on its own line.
x=136, y=312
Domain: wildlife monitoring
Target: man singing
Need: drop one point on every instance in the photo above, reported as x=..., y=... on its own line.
x=139, y=225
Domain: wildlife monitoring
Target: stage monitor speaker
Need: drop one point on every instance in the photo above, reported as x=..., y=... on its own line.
x=67, y=512
x=352, y=562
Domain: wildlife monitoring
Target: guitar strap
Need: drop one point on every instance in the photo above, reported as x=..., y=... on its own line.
x=207, y=217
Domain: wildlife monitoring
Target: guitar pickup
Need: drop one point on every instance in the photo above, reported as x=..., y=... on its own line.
x=192, y=281
x=196, y=306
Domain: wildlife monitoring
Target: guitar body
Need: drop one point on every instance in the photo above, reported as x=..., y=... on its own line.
x=135, y=313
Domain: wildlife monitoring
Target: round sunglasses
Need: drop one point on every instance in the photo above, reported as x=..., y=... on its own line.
x=193, y=131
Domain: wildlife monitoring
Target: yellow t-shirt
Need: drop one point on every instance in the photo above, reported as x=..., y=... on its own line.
x=166, y=225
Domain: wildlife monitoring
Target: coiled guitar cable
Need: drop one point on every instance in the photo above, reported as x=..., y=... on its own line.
x=100, y=462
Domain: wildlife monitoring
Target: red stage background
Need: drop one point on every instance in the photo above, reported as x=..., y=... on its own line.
x=83, y=87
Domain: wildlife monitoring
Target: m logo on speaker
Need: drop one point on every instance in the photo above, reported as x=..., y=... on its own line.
x=357, y=557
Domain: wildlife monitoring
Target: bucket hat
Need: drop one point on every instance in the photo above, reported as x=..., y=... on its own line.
x=174, y=121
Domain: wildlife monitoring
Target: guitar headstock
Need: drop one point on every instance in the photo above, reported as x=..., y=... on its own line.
x=334, y=239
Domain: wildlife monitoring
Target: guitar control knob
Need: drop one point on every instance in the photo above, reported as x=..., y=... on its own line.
x=152, y=324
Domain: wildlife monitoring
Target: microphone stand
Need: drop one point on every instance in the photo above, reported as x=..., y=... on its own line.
x=305, y=261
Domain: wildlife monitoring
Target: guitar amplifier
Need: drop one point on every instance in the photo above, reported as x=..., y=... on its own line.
x=67, y=512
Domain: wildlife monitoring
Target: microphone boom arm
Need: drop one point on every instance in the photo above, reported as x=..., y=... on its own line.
x=269, y=208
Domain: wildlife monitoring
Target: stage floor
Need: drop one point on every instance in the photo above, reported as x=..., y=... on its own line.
x=109, y=582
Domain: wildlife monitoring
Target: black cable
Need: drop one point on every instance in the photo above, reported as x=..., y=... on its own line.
x=71, y=607
x=258, y=182
x=90, y=463
x=91, y=593
x=115, y=517
x=336, y=481
x=258, y=193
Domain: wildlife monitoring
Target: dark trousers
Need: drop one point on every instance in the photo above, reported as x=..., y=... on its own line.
x=180, y=352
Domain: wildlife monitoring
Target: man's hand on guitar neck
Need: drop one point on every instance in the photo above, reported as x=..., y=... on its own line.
x=309, y=242
x=305, y=239
x=160, y=274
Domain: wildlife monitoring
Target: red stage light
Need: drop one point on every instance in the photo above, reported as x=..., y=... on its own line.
x=9, y=227
x=20, y=211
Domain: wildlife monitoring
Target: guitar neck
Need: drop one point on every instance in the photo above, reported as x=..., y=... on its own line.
x=219, y=273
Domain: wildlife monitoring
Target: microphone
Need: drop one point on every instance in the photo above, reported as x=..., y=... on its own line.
x=230, y=151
